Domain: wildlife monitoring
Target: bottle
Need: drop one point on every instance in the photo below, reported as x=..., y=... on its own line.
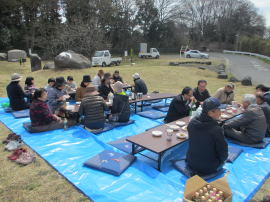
x=65, y=124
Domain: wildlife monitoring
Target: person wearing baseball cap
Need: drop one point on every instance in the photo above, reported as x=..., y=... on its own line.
x=16, y=94
x=139, y=84
x=208, y=149
x=226, y=94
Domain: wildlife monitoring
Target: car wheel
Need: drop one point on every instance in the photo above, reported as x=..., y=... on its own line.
x=157, y=57
x=103, y=64
x=188, y=56
x=117, y=63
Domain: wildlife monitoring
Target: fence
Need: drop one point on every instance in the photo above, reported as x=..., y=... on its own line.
x=248, y=53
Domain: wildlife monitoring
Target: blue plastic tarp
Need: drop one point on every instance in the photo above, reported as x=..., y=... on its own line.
x=66, y=151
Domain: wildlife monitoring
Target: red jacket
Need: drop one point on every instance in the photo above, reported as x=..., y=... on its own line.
x=40, y=113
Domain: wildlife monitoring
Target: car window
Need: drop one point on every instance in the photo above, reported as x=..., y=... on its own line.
x=194, y=51
x=106, y=54
x=154, y=50
x=98, y=54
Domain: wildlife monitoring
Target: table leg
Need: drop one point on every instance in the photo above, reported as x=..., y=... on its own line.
x=159, y=160
x=165, y=101
x=141, y=106
x=133, y=149
x=135, y=107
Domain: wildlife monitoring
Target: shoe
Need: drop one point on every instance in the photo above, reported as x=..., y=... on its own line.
x=16, y=154
x=13, y=145
x=25, y=158
x=12, y=136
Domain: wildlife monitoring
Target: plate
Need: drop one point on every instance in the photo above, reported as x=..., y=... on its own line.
x=224, y=116
x=229, y=111
x=78, y=103
x=70, y=107
x=156, y=133
x=174, y=127
x=181, y=136
x=180, y=123
x=223, y=110
x=184, y=128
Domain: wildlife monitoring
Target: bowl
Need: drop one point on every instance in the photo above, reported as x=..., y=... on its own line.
x=156, y=133
x=184, y=128
x=174, y=127
x=224, y=116
x=181, y=136
x=180, y=123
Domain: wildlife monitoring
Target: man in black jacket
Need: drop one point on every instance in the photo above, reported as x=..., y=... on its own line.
x=139, y=84
x=16, y=94
x=200, y=92
x=260, y=100
x=208, y=149
x=180, y=106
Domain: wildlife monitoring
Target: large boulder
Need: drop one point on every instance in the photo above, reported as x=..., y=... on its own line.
x=246, y=81
x=35, y=62
x=70, y=59
x=15, y=55
x=3, y=56
x=49, y=66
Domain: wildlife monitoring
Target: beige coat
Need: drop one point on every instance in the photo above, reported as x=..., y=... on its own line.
x=223, y=97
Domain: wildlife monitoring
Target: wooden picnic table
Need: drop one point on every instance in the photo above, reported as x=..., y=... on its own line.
x=158, y=145
x=151, y=97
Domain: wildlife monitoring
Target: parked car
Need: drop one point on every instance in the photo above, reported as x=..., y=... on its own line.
x=196, y=54
x=104, y=58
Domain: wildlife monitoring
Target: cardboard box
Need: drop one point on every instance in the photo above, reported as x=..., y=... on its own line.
x=195, y=183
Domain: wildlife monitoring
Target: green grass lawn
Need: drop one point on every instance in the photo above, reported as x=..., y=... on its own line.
x=38, y=181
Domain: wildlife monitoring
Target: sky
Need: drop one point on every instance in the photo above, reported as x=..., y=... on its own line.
x=264, y=9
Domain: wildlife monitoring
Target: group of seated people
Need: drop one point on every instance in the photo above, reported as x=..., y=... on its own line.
x=208, y=149
x=93, y=98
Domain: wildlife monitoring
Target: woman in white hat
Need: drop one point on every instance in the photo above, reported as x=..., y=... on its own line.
x=16, y=94
x=120, y=108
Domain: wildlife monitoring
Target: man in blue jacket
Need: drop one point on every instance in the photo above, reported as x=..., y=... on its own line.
x=208, y=149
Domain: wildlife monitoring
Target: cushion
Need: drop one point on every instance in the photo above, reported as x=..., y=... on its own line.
x=37, y=129
x=124, y=145
x=162, y=109
x=233, y=153
x=110, y=162
x=8, y=109
x=110, y=126
x=261, y=145
x=181, y=166
x=21, y=114
x=152, y=114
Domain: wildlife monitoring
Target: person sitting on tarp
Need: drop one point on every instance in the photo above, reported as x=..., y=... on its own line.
x=42, y=119
x=16, y=94
x=50, y=85
x=180, y=106
x=117, y=77
x=71, y=84
x=226, y=94
x=208, y=149
x=200, y=93
x=97, y=79
x=29, y=88
x=139, y=84
x=105, y=88
x=92, y=109
x=266, y=92
x=250, y=127
x=80, y=92
x=120, y=108
x=57, y=95
x=260, y=100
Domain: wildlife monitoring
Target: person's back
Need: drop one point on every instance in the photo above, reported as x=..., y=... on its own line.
x=140, y=86
x=267, y=97
x=92, y=108
x=16, y=96
x=207, y=146
x=96, y=81
x=266, y=110
x=121, y=107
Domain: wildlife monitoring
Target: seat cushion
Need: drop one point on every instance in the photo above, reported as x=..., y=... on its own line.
x=110, y=126
x=181, y=166
x=21, y=114
x=124, y=145
x=261, y=145
x=233, y=153
x=110, y=162
x=152, y=114
x=162, y=109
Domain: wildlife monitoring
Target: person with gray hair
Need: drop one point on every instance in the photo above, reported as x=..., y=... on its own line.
x=139, y=84
x=249, y=127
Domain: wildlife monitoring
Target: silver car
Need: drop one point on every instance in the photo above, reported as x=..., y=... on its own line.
x=196, y=54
